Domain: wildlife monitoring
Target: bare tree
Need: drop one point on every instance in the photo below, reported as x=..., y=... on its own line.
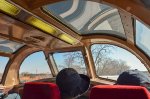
x=100, y=53
x=74, y=60
x=112, y=67
x=104, y=65
x=73, y=57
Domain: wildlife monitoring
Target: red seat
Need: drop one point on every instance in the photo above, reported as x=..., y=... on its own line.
x=40, y=90
x=119, y=92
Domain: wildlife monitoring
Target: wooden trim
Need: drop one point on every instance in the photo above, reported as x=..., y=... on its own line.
x=12, y=69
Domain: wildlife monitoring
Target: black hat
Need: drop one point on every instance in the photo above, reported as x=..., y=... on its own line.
x=133, y=77
x=71, y=83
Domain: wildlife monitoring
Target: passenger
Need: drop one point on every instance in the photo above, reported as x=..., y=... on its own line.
x=71, y=84
x=134, y=77
x=12, y=94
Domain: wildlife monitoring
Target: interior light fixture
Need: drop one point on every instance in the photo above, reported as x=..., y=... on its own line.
x=41, y=25
x=67, y=38
x=8, y=8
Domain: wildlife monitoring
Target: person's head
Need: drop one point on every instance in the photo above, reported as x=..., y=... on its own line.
x=134, y=77
x=72, y=84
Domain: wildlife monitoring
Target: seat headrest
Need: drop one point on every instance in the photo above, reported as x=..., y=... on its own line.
x=40, y=90
x=119, y=92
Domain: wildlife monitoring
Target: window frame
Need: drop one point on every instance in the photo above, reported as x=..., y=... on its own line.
x=70, y=50
x=135, y=31
x=27, y=57
x=123, y=47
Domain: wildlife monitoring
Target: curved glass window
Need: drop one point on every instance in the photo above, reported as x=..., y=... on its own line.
x=70, y=60
x=34, y=67
x=111, y=60
x=3, y=63
x=8, y=46
x=87, y=17
x=142, y=37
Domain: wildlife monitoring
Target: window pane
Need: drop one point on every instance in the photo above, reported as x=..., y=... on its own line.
x=9, y=46
x=34, y=67
x=87, y=17
x=142, y=37
x=111, y=60
x=70, y=60
x=111, y=25
x=3, y=63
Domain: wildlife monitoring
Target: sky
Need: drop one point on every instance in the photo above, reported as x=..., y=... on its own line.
x=3, y=63
x=128, y=57
x=35, y=63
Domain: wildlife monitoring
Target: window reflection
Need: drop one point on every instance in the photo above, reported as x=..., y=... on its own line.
x=8, y=46
x=87, y=17
x=142, y=37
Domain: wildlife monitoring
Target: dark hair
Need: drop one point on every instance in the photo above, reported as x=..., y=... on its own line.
x=133, y=77
x=72, y=84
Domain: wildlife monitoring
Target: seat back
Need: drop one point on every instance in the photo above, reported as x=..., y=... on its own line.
x=40, y=90
x=119, y=92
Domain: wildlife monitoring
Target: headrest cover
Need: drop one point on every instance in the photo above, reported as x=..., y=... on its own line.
x=119, y=92
x=40, y=90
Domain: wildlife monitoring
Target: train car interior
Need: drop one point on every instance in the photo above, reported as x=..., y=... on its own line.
x=97, y=38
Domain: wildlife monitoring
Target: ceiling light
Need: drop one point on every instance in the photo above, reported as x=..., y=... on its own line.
x=8, y=8
x=41, y=25
x=67, y=38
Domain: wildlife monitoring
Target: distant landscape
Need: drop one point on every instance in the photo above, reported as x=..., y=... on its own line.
x=26, y=77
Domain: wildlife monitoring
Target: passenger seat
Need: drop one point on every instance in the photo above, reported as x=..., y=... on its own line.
x=119, y=92
x=40, y=90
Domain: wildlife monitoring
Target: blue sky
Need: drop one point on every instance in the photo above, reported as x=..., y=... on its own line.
x=3, y=63
x=129, y=58
x=35, y=63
